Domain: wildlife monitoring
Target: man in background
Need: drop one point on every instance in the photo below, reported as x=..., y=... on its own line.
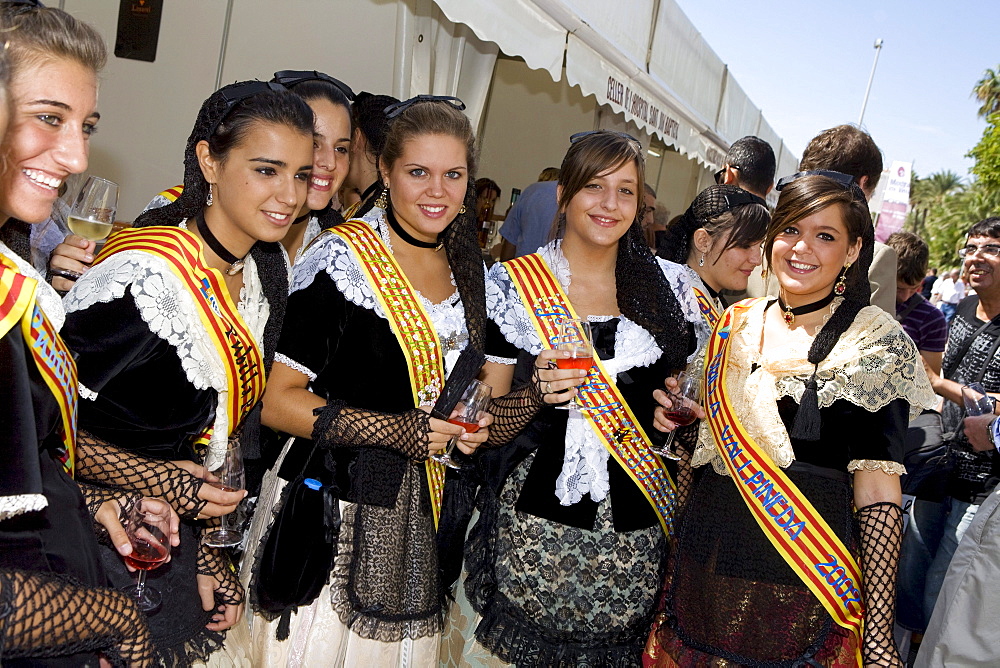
x=928, y=283
x=749, y=164
x=527, y=225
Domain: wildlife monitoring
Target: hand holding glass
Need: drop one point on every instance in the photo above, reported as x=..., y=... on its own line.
x=575, y=338
x=229, y=477
x=683, y=398
x=93, y=213
x=469, y=410
x=149, y=534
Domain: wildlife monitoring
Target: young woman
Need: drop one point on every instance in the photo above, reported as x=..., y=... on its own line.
x=349, y=387
x=56, y=608
x=564, y=561
x=174, y=328
x=808, y=398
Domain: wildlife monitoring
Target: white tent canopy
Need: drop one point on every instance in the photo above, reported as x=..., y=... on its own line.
x=643, y=59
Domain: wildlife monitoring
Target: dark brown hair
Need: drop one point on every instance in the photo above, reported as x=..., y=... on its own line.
x=912, y=256
x=846, y=149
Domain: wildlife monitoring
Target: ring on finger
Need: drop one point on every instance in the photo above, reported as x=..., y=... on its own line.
x=548, y=388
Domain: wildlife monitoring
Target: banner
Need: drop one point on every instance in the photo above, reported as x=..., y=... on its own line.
x=895, y=200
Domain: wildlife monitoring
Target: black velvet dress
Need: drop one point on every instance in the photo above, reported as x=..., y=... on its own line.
x=58, y=539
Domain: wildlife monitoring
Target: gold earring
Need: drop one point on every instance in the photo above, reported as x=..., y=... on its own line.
x=383, y=199
x=841, y=286
x=461, y=210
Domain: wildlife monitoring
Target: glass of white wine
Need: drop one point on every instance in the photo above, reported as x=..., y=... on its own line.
x=93, y=213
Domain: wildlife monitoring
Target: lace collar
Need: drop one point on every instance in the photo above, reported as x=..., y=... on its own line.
x=329, y=253
x=48, y=299
x=166, y=306
x=873, y=364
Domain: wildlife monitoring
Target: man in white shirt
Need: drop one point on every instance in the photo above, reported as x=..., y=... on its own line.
x=950, y=290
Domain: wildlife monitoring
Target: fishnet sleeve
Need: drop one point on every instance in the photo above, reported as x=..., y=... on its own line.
x=44, y=615
x=513, y=412
x=216, y=564
x=99, y=461
x=685, y=442
x=340, y=425
x=96, y=496
x=881, y=529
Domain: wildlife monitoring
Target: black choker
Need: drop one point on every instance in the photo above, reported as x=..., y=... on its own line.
x=789, y=313
x=304, y=217
x=368, y=191
x=235, y=263
x=402, y=234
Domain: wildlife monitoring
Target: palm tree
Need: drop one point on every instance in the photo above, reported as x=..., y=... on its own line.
x=987, y=91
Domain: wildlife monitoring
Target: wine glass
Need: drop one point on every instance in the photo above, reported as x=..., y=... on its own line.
x=229, y=477
x=681, y=412
x=149, y=534
x=468, y=412
x=575, y=337
x=976, y=400
x=93, y=213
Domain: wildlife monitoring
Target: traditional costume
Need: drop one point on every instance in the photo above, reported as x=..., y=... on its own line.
x=766, y=566
x=563, y=562
x=170, y=367
x=380, y=350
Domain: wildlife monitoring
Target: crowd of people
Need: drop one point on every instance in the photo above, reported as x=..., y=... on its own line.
x=314, y=297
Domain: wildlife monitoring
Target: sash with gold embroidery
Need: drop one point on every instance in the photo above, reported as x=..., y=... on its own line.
x=784, y=514
x=240, y=354
x=410, y=324
x=707, y=307
x=607, y=412
x=52, y=357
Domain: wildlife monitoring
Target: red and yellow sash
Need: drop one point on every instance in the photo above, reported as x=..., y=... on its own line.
x=240, y=354
x=606, y=410
x=707, y=307
x=410, y=323
x=794, y=527
x=52, y=357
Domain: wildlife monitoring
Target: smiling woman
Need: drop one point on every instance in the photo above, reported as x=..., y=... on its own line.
x=174, y=328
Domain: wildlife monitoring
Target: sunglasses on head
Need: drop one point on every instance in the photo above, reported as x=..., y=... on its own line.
x=289, y=78
x=720, y=175
x=846, y=180
x=396, y=109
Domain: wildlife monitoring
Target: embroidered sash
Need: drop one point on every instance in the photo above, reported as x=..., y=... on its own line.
x=791, y=524
x=707, y=307
x=52, y=357
x=410, y=324
x=240, y=354
x=606, y=410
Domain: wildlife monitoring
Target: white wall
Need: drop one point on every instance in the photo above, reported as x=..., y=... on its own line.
x=527, y=124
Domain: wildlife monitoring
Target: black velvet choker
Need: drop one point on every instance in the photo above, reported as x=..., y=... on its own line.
x=402, y=234
x=368, y=191
x=235, y=263
x=789, y=313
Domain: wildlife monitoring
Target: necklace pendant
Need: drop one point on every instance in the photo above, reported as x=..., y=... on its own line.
x=235, y=268
x=789, y=317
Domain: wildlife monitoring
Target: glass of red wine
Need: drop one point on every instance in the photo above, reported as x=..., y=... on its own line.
x=229, y=477
x=575, y=338
x=683, y=399
x=149, y=534
x=470, y=409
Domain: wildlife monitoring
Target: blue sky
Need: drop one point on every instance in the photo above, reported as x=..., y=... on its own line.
x=806, y=64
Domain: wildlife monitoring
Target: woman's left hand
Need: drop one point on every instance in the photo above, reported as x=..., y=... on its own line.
x=217, y=581
x=468, y=442
x=109, y=514
x=663, y=398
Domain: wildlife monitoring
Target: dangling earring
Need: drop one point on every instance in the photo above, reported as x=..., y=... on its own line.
x=209, y=199
x=461, y=210
x=841, y=287
x=701, y=262
x=383, y=199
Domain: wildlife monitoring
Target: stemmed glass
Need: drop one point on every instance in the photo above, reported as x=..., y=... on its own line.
x=469, y=410
x=149, y=534
x=93, y=213
x=229, y=477
x=575, y=337
x=681, y=412
x=976, y=400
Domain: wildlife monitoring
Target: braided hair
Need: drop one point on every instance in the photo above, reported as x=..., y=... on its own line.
x=225, y=127
x=643, y=293
x=460, y=238
x=800, y=199
x=319, y=89
x=719, y=209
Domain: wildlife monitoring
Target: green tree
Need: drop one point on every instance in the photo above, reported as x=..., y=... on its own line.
x=987, y=91
x=987, y=154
